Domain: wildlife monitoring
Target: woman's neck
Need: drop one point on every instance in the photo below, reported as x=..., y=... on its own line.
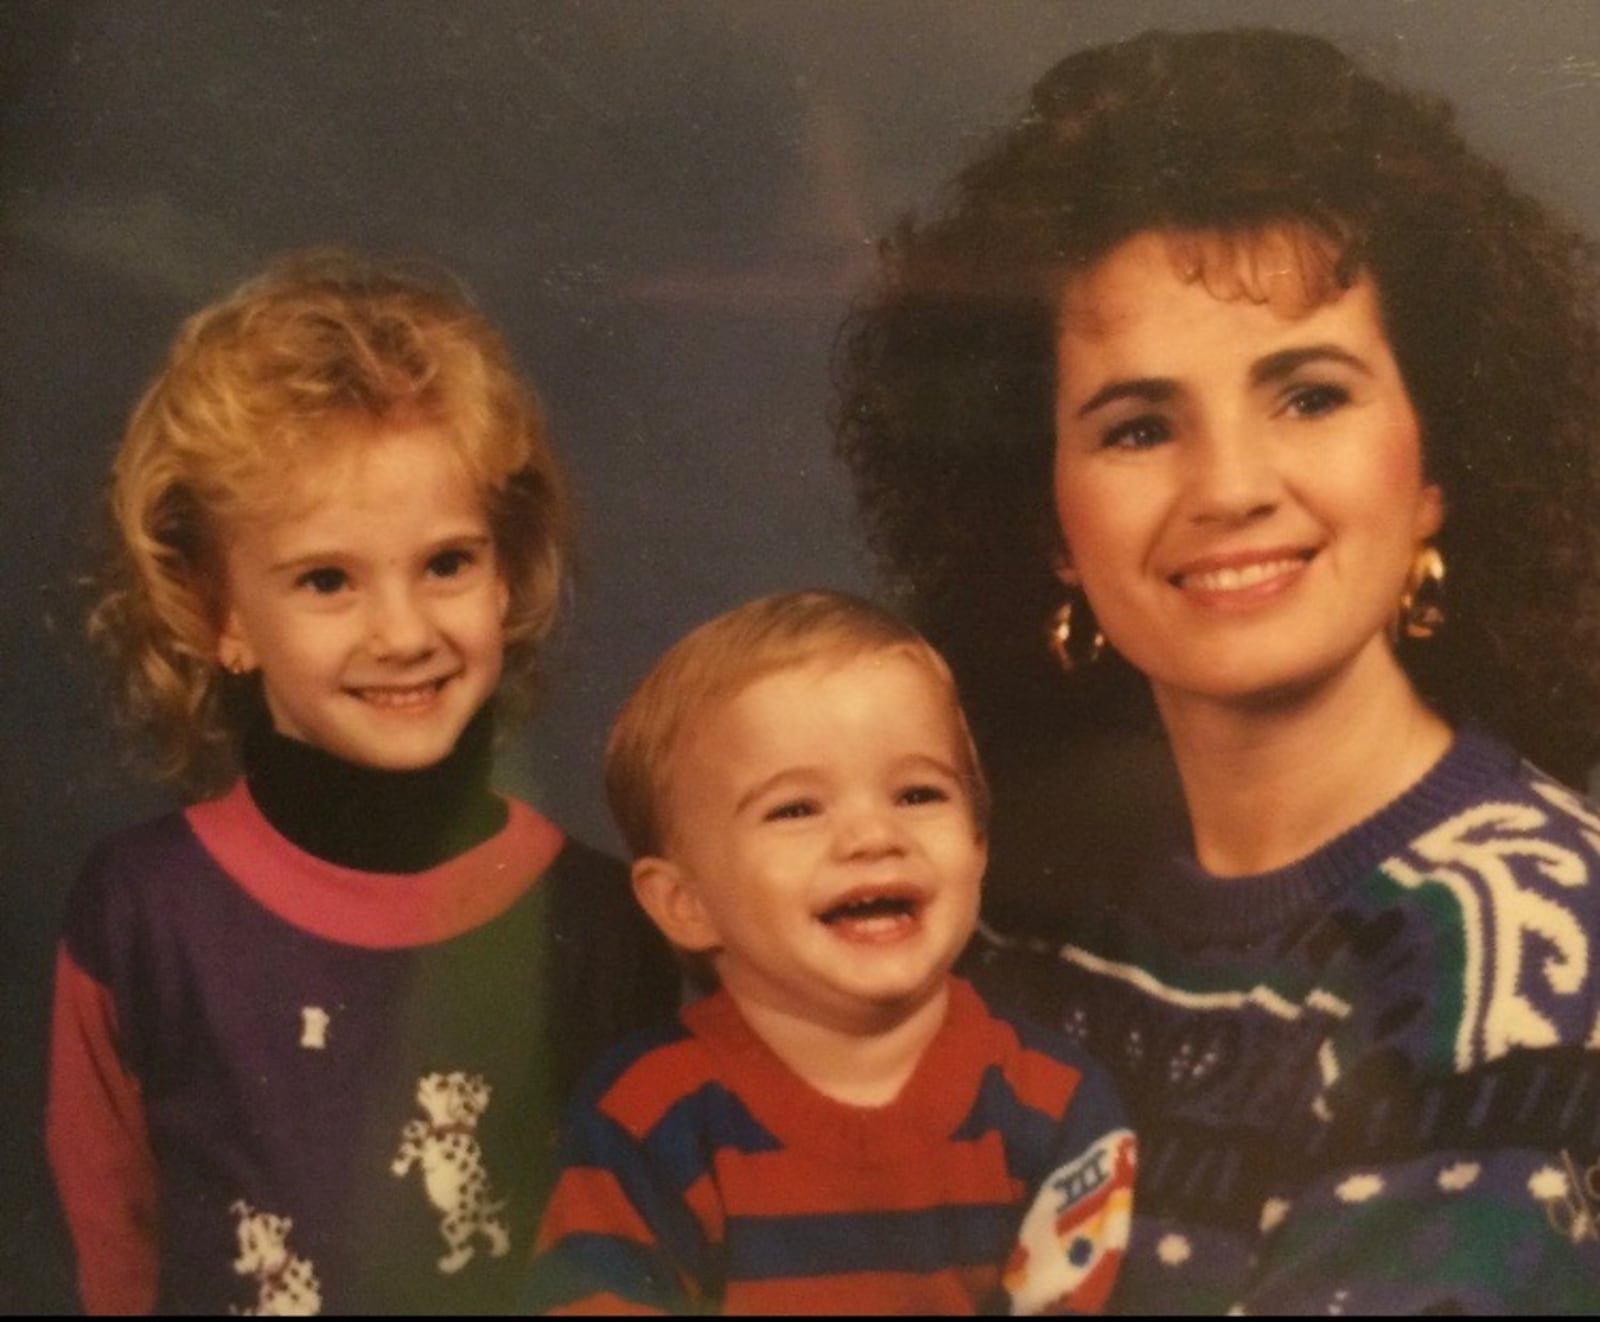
x=1271, y=782
x=867, y=1066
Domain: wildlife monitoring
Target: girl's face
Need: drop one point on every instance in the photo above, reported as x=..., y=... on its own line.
x=374, y=610
x=1239, y=479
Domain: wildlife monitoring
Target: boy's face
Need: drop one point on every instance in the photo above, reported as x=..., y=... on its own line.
x=825, y=835
x=374, y=610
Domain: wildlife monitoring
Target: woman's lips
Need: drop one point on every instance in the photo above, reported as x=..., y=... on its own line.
x=1242, y=577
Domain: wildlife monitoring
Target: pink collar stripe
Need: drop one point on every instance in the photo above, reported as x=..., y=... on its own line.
x=378, y=910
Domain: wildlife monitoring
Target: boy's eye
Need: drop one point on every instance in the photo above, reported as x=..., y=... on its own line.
x=790, y=810
x=447, y=564
x=1313, y=401
x=1140, y=433
x=324, y=581
x=920, y=794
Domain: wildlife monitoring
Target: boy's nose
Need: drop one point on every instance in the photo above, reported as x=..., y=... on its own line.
x=869, y=832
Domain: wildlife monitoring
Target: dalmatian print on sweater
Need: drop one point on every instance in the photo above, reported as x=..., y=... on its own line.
x=445, y=1146
x=286, y=1283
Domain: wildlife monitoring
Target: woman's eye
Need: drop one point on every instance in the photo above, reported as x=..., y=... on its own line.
x=447, y=564
x=324, y=582
x=919, y=794
x=1314, y=401
x=1137, y=433
x=792, y=810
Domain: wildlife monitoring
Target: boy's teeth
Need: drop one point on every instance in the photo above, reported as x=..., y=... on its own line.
x=876, y=908
x=874, y=926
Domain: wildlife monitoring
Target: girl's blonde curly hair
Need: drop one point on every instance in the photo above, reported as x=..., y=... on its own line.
x=260, y=383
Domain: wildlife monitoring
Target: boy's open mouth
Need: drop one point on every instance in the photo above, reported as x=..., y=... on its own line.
x=874, y=915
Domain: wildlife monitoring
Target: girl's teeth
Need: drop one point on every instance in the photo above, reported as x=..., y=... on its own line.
x=400, y=697
x=1246, y=576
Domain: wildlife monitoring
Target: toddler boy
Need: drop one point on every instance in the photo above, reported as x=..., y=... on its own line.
x=841, y=1126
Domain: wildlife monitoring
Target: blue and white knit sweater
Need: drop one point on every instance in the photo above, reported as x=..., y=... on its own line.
x=1367, y=1082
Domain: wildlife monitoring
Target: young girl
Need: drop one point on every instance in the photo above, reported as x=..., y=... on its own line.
x=308, y=1034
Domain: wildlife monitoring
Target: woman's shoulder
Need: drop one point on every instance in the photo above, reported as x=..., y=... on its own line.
x=1481, y=934
x=1506, y=829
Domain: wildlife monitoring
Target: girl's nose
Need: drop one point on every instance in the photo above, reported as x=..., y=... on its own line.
x=399, y=627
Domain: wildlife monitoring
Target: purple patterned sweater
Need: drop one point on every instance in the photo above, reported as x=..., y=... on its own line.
x=1367, y=1082
x=283, y=1085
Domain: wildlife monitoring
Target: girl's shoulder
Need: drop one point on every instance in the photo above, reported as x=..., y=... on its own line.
x=142, y=886
x=136, y=858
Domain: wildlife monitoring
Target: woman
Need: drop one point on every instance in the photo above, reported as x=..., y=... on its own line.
x=1205, y=376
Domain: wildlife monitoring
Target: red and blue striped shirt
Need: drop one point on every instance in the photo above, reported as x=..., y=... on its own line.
x=699, y=1172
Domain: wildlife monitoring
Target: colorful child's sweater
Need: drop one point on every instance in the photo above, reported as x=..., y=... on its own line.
x=1368, y=1082
x=700, y=1173
x=279, y=1084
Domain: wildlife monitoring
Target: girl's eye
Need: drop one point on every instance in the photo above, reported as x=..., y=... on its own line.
x=919, y=794
x=1140, y=433
x=324, y=581
x=1313, y=401
x=447, y=564
x=792, y=810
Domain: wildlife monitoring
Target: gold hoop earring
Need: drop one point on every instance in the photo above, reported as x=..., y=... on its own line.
x=1068, y=656
x=1422, y=602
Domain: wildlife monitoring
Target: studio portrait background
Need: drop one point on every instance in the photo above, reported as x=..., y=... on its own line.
x=666, y=208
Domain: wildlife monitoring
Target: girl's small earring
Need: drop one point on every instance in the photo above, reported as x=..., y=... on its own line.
x=1422, y=603
x=1061, y=631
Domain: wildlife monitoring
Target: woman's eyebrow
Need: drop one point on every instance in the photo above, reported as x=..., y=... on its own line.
x=1146, y=389
x=1276, y=366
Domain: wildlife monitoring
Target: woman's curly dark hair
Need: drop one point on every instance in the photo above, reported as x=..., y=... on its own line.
x=946, y=370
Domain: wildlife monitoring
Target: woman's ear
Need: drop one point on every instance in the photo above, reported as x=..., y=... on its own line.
x=669, y=896
x=1061, y=567
x=1430, y=512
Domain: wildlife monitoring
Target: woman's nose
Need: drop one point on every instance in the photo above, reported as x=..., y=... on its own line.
x=1233, y=476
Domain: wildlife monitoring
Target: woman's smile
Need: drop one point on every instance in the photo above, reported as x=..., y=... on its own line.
x=1241, y=579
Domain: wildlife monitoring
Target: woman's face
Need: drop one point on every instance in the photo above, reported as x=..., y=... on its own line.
x=1239, y=478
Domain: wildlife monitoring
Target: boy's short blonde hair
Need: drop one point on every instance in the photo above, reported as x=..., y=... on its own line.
x=723, y=657
x=321, y=350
